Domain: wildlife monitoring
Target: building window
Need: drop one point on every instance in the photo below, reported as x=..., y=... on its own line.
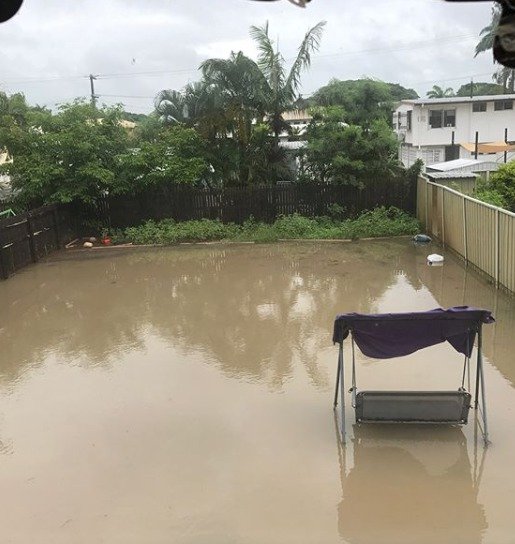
x=442, y=118
x=432, y=156
x=399, y=120
x=409, y=119
x=435, y=118
x=500, y=105
x=449, y=118
x=478, y=107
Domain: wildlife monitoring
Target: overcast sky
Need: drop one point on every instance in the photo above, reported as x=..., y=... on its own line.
x=51, y=45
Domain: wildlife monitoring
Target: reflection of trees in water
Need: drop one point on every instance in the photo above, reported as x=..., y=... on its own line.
x=404, y=487
x=255, y=310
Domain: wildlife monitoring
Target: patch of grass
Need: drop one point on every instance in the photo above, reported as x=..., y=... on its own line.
x=379, y=222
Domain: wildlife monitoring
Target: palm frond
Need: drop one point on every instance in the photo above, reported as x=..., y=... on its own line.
x=310, y=44
x=487, y=34
x=267, y=55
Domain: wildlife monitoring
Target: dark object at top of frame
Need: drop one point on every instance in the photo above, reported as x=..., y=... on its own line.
x=8, y=9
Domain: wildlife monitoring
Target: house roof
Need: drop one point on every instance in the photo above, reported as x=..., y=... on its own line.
x=454, y=165
x=293, y=145
x=297, y=115
x=459, y=99
x=463, y=165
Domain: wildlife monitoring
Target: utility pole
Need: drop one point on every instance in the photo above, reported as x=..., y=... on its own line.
x=506, y=141
x=94, y=97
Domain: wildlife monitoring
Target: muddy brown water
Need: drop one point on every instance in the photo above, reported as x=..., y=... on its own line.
x=185, y=395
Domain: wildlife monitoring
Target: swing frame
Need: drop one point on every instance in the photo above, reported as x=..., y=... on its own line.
x=433, y=407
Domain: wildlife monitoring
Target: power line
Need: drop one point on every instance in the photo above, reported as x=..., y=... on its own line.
x=403, y=47
x=125, y=96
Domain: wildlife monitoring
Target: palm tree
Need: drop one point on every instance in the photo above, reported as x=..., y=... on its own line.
x=171, y=107
x=239, y=83
x=439, y=92
x=281, y=89
x=238, y=93
x=503, y=76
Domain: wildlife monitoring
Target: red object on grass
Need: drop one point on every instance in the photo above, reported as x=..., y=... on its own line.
x=106, y=241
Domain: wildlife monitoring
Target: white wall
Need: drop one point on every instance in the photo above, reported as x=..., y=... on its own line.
x=429, y=155
x=489, y=124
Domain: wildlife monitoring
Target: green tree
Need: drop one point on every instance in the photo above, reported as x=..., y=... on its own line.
x=280, y=88
x=399, y=92
x=64, y=157
x=439, y=92
x=347, y=154
x=176, y=157
x=481, y=88
x=237, y=93
x=502, y=182
x=363, y=101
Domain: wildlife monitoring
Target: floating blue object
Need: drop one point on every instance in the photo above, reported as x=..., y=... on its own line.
x=422, y=239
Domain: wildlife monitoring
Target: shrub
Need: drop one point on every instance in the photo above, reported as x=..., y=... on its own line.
x=379, y=222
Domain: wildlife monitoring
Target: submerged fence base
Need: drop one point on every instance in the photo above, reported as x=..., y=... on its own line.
x=484, y=235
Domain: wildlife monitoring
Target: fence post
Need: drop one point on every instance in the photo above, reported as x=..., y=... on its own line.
x=497, y=246
x=55, y=218
x=443, y=217
x=427, y=205
x=465, y=244
x=3, y=264
x=32, y=245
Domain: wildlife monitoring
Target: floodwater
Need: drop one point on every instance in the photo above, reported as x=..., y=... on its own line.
x=185, y=395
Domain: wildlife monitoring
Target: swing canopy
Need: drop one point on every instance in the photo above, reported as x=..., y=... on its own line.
x=384, y=336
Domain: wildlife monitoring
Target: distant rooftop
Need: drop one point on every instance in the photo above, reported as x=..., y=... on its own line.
x=452, y=165
x=293, y=145
x=460, y=99
x=471, y=165
x=297, y=115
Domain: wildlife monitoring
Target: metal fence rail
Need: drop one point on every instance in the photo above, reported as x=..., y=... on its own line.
x=484, y=235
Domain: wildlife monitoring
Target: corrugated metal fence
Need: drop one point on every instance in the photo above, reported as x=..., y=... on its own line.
x=482, y=234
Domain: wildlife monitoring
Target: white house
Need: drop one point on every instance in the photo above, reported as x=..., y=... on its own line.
x=298, y=120
x=443, y=129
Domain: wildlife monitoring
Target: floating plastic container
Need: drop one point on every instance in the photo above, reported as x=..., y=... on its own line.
x=422, y=239
x=435, y=259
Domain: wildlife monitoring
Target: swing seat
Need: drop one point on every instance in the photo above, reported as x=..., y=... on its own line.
x=438, y=407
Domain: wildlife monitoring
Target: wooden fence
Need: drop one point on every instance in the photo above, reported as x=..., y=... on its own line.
x=237, y=204
x=484, y=235
x=27, y=237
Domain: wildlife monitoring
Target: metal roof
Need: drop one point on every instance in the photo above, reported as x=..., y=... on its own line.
x=454, y=165
x=459, y=99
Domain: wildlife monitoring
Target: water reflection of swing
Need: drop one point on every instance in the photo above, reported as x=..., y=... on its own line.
x=407, y=484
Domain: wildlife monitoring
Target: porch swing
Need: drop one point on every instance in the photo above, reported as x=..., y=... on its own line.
x=385, y=336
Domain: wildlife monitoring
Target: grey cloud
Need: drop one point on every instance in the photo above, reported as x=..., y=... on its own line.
x=55, y=39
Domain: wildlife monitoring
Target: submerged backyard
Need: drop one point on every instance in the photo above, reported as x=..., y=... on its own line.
x=184, y=395
x=171, y=271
